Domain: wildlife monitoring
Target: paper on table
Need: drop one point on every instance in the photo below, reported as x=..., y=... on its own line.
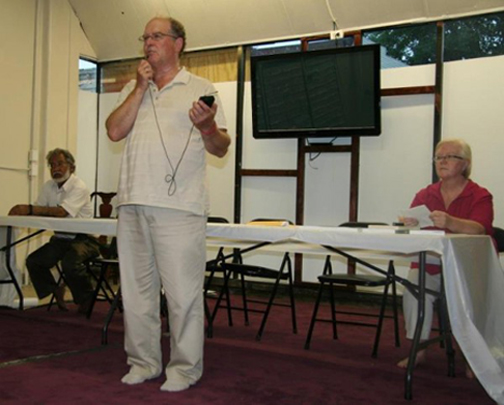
x=420, y=213
x=269, y=223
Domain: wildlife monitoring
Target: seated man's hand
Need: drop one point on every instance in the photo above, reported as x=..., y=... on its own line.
x=20, y=209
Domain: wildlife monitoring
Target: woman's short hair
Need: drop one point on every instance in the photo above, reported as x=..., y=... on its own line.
x=465, y=152
x=68, y=157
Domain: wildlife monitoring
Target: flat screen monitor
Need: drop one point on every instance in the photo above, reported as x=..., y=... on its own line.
x=326, y=93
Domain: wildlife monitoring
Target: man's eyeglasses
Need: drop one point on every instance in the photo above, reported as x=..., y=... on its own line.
x=55, y=165
x=157, y=36
x=446, y=157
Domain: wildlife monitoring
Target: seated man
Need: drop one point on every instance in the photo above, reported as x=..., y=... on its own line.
x=63, y=196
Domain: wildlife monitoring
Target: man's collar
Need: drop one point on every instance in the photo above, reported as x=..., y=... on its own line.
x=182, y=76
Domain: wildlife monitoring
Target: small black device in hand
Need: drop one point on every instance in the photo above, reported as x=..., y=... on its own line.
x=208, y=100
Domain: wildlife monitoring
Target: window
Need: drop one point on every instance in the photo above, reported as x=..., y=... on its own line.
x=315, y=45
x=87, y=75
x=276, y=48
x=474, y=37
x=295, y=46
x=465, y=38
x=405, y=46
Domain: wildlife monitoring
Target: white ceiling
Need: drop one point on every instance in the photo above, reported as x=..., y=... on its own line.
x=113, y=26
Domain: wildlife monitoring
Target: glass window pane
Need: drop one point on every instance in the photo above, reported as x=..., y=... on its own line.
x=474, y=37
x=330, y=43
x=87, y=75
x=274, y=48
x=405, y=46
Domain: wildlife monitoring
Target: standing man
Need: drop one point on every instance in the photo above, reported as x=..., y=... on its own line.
x=63, y=196
x=163, y=205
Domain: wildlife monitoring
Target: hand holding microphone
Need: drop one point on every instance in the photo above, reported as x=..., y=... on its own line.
x=144, y=74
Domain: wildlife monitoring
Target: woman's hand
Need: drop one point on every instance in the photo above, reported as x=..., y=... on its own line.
x=441, y=219
x=408, y=221
x=453, y=224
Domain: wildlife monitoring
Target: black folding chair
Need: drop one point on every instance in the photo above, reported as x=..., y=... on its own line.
x=239, y=269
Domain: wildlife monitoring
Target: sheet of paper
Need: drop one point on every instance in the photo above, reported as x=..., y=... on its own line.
x=420, y=213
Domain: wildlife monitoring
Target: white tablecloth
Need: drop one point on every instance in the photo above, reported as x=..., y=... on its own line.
x=8, y=293
x=474, y=279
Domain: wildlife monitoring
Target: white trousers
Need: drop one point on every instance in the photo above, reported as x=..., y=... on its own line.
x=410, y=304
x=159, y=246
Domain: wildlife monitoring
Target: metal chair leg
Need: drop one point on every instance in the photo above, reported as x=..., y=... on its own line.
x=374, y=354
x=291, y=296
x=286, y=261
x=110, y=314
x=314, y=317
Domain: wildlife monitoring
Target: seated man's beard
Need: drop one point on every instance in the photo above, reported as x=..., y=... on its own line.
x=63, y=178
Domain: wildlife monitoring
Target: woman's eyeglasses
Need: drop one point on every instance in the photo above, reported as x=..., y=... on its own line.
x=450, y=158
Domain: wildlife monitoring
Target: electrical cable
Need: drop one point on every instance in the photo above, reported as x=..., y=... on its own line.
x=169, y=178
x=335, y=24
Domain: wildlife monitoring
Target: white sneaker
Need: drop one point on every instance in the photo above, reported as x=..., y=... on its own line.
x=133, y=378
x=176, y=386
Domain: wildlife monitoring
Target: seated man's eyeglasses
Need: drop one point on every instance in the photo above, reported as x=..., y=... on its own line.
x=157, y=36
x=446, y=157
x=60, y=163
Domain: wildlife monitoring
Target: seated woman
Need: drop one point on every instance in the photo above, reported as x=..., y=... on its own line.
x=457, y=205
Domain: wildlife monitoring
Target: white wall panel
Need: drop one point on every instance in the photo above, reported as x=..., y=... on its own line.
x=327, y=189
x=395, y=165
x=473, y=105
x=17, y=31
x=86, y=140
